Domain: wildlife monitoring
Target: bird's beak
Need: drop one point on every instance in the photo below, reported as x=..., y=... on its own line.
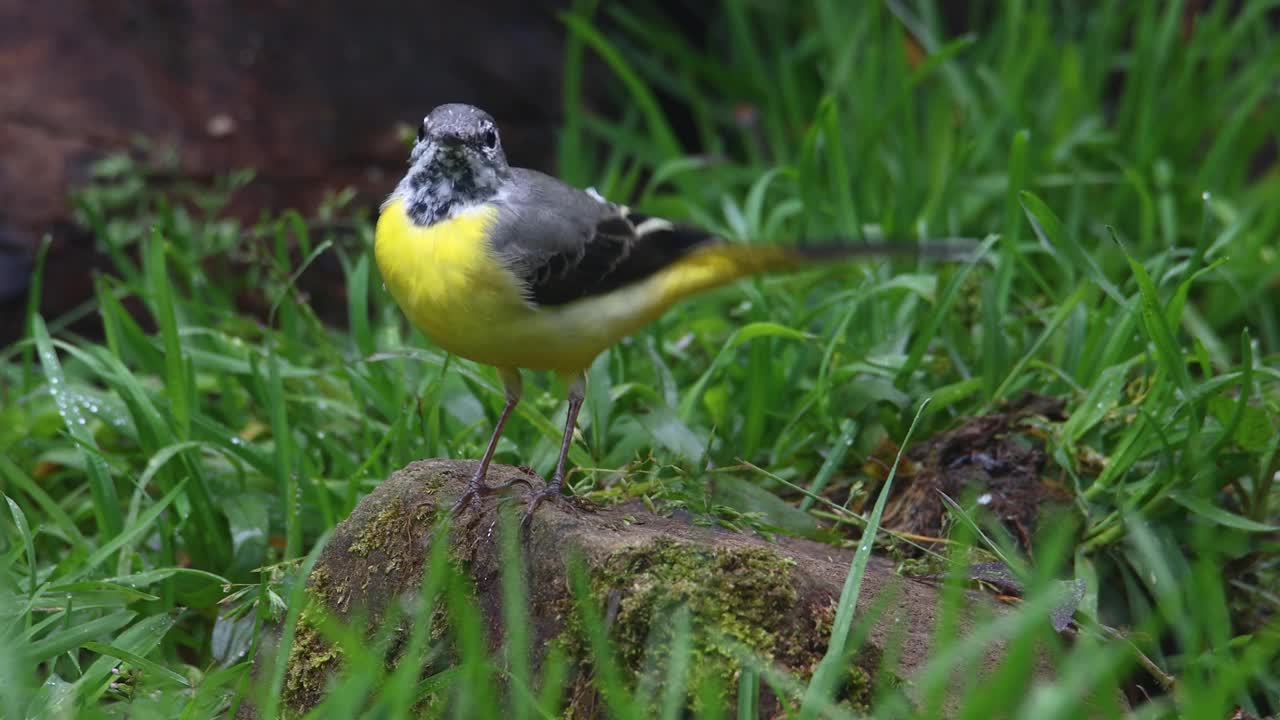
x=450, y=140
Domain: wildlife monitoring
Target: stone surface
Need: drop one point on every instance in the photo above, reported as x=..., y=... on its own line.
x=777, y=597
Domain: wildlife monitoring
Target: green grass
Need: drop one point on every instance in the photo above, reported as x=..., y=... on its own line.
x=167, y=483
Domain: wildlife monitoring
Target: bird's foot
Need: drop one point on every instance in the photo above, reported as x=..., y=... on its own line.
x=477, y=489
x=550, y=492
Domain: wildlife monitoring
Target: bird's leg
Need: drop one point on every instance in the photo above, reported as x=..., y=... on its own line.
x=577, y=391
x=475, y=487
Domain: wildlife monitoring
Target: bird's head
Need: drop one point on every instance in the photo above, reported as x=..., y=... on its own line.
x=457, y=161
x=457, y=133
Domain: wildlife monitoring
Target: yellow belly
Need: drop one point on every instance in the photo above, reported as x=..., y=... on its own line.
x=452, y=289
x=442, y=278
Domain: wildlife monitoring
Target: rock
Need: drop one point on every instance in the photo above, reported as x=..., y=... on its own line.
x=776, y=597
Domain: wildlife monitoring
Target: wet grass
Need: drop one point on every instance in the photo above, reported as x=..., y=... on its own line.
x=167, y=484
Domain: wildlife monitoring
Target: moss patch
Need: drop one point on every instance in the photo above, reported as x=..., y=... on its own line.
x=375, y=556
x=324, y=587
x=374, y=534
x=856, y=693
x=734, y=596
x=312, y=660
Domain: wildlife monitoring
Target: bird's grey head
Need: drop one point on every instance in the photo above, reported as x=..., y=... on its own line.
x=457, y=162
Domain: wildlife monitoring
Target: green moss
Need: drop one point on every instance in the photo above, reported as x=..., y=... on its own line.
x=913, y=564
x=434, y=481
x=319, y=581
x=803, y=648
x=744, y=594
x=374, y=534
x=324, y=588
x=856, y=693
x=312, y=660
x=735, y=596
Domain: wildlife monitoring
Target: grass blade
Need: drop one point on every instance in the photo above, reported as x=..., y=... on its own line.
x=65, y=640
x=833, y=661
x=106, y=504
x=24, y=531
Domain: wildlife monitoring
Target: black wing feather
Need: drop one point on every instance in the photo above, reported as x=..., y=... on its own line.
x=616, y=255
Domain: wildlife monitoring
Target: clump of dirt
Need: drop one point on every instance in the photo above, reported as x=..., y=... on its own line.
x=997, y=459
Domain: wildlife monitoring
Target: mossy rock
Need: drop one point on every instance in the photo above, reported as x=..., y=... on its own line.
x=775, y=599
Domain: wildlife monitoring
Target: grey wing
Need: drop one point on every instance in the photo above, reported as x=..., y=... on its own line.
x=565, y=244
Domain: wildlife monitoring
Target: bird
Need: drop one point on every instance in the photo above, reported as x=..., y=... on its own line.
x=513, y=268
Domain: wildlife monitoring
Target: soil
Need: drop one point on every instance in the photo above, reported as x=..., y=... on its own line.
x=995, y=462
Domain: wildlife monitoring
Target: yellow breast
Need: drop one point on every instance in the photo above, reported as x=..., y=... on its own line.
x=445, y=280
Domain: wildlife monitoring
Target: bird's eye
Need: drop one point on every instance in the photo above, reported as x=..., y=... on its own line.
x=490, y=138
x=422, y=131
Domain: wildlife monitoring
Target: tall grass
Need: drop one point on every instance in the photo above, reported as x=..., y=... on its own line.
x=167, y=483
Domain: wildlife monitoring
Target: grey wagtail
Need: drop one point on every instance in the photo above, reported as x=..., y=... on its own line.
x=515, y=269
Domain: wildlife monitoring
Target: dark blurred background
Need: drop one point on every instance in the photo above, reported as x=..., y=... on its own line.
x=314, y=95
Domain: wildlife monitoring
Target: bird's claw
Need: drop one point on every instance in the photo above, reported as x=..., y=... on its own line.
x=550, y=492
x=477, y=489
